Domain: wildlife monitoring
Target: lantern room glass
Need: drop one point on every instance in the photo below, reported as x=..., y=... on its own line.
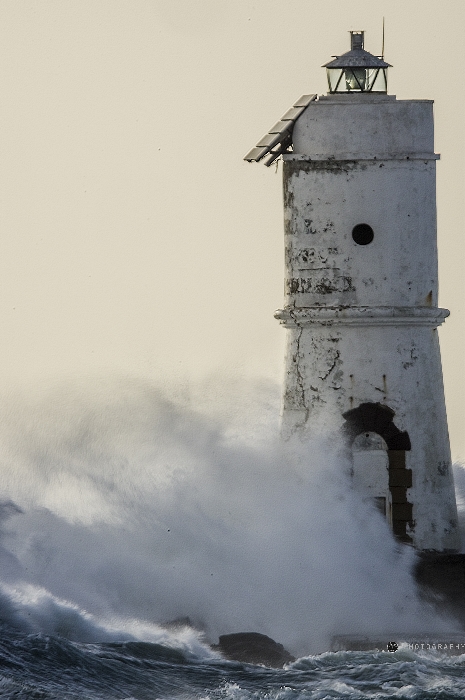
x=357, y=79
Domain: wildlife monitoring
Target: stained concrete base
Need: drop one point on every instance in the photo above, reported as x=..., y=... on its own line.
x=441, y=581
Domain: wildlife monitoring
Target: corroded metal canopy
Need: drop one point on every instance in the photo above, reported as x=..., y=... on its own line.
x=357, y=57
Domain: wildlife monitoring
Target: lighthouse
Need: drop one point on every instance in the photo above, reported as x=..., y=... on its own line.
x=361, y=292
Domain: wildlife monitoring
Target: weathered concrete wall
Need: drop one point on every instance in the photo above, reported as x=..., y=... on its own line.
x=362, y=319
x=365, y=124
x=324, y=200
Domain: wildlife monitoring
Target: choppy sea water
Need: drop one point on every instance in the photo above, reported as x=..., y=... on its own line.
x=50, y=667
x=121, y=509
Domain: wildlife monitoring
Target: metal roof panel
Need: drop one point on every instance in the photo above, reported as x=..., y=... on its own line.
x=270, y=140
x=304, y=100
x=357, y=58
x=281, y=126
x=280, y=135
x=256, y=154
x=293, y=113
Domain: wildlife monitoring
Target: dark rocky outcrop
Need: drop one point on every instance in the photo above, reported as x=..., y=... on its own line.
x=253, y=648
x=248, y=647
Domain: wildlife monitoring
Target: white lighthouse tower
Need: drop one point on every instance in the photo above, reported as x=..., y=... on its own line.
x=361, y=291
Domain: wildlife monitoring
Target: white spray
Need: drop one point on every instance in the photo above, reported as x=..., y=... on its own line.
x=124, y=509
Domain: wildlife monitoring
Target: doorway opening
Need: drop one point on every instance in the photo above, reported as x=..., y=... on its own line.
x=378, y=453
x=370, y=474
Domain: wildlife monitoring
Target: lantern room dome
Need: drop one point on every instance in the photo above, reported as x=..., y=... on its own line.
x=357, y=70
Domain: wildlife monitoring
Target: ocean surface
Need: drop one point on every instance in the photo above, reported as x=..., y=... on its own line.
x=122, y=509
x=50, y=667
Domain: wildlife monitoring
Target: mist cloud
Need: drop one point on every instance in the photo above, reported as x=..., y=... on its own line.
x=128, y=505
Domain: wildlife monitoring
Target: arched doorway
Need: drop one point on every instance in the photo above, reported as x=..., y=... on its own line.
x=367, y=425
x=371, y=471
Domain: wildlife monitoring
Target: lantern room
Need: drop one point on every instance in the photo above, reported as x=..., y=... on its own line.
x=357, y=70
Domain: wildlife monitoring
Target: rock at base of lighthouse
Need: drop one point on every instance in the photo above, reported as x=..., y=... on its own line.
x=253, y=648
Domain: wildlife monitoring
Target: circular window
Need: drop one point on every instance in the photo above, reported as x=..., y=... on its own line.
x=362, y=234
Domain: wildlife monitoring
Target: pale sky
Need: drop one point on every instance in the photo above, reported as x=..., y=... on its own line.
x=133, y=237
